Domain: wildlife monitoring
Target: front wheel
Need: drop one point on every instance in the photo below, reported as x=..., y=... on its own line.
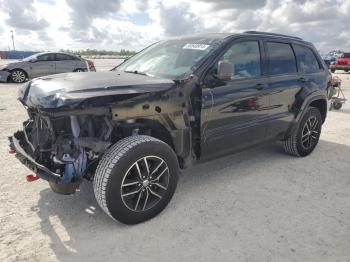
x=18, y=76
x=136, y=179
x=305, y=137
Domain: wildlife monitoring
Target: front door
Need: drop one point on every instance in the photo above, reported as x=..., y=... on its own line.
x=234, y=110
x=44, y=65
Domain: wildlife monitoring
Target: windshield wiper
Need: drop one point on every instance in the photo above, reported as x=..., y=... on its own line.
x=138, y=73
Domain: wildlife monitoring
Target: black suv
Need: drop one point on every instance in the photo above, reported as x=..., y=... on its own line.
x=174, y=104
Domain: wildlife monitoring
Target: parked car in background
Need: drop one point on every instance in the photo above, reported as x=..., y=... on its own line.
x=43, y=64
x=343, y=63
x=328, y=59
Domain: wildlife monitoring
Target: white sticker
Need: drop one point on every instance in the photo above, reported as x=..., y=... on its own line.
x=196, y=46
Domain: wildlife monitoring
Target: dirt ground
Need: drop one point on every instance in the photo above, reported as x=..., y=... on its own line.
x=258, y=205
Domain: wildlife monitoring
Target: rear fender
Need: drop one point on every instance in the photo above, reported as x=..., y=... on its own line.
x=301, y=106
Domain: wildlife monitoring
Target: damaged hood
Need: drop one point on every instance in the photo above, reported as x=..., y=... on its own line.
x=72, y=88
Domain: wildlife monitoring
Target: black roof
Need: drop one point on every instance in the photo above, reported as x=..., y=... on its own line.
x=254, y=33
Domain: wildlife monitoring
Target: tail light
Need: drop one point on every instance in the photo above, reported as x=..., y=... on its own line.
x=91, y=65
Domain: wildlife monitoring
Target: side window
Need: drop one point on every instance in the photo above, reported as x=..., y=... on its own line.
x=44, y=58
x=47, y=57
x=62, y=57
x=245, y=59
x=281, y=58
x=307, y=62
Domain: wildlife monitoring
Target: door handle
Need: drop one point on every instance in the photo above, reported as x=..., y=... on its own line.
x=302, y=79
x=260, y=86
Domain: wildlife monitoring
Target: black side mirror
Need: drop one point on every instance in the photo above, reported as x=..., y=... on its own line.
x=225, y=70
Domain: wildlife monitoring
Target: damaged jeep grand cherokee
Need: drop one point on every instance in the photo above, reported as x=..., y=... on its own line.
x=176, y=103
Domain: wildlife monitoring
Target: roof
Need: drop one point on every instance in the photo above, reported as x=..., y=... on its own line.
x=226, y=35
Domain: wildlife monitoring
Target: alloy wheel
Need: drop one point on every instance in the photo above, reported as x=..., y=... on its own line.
x=310, y=133
x=18, y=76
x=145, y=183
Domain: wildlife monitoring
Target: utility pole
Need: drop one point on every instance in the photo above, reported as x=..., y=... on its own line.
x=13, y=41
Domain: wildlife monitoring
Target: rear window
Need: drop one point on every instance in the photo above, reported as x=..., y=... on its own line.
x=346, y=55
x=281, y=58
x=307, y=61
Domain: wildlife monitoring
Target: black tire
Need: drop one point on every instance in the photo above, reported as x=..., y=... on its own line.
x=119, y=164
x=296, y=144
x=346, y=70
x=79, y=70
x=333, y=70
x=18, y=76
x=337, y=105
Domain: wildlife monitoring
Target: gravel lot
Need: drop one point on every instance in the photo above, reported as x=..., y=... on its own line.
x=258, y=205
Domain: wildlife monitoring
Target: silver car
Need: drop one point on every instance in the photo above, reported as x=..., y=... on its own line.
x=43, y=64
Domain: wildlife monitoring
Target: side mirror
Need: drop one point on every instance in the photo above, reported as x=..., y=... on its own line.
x=33, y=60
x=225, y=70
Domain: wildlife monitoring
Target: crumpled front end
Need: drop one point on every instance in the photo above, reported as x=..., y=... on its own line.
x=62, y=149
x=4, y=75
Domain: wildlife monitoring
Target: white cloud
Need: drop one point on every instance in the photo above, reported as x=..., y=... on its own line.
x=133, y=24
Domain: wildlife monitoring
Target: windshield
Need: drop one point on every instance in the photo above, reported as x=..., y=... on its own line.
x=346, y=55
x=30, y=57
x=171, y=59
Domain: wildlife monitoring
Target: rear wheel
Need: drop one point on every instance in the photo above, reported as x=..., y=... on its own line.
x=305, y=137
x=333, y=70
x=79, y=70
x=18, y=76
x=136, y=179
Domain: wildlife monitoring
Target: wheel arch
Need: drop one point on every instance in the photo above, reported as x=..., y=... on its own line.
x=319, y=101
x=21, y=69
x=179, y=139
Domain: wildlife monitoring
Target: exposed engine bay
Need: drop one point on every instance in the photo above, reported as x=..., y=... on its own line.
x=67, y=145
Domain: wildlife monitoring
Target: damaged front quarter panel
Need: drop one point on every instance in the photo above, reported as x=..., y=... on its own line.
x=78, y=120
x=4, y=75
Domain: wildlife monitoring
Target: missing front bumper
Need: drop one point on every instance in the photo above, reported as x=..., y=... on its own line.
x=55, y=180
x=4, y=75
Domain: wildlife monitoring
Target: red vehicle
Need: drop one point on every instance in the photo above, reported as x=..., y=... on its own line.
x=343, y=63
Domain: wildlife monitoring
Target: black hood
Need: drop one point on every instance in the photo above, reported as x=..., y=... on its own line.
x=72, y=88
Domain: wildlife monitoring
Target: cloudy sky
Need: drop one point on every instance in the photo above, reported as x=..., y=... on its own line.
x=133, y=24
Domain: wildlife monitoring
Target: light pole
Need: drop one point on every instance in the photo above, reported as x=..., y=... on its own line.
x=13, y=41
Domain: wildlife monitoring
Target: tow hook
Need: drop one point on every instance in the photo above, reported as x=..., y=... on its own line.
x=32, y=178
x=12, y=150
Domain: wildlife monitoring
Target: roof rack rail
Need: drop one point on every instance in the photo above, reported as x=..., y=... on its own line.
x=272, y=34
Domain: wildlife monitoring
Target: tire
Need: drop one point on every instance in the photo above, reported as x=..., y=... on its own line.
x=18, y=76
x=301, y=142
x=125, y=190
x=79, y=70
x=333, y=70
x=346, y=70
x=337, y=105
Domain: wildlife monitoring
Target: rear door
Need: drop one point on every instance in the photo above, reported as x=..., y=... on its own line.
x=284, y=84
x=44, y=65
x=65, y=63
x=311, y=69
x=234, y=110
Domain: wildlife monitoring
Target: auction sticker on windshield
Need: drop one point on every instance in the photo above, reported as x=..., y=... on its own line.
x=196, y=46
